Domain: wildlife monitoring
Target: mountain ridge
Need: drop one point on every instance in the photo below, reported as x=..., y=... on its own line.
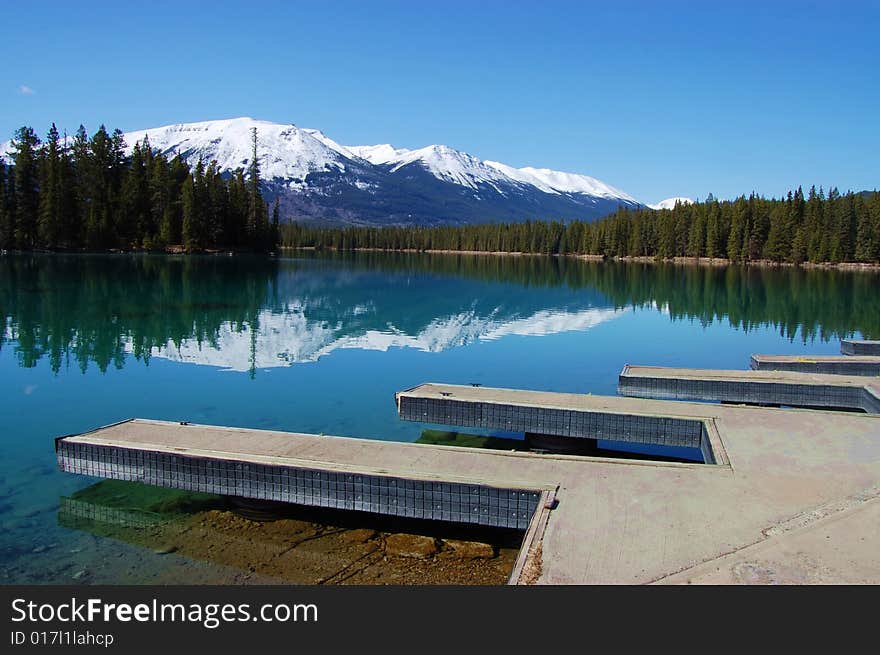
x=318, y=180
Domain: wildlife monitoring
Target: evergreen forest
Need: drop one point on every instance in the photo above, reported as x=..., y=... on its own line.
x=815, y=227
x=86, y=193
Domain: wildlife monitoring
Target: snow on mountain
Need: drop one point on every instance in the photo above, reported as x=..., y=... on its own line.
x=670, y=203
x=442, y=162
x=285, y=151
x=317, y=179
x=379, y=154
x=327, y=141
x=462, y=168
x=559, y=182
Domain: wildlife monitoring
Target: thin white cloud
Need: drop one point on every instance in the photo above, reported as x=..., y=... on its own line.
x=25, y=90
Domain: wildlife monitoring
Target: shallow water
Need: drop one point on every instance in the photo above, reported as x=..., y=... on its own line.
x=321, y=343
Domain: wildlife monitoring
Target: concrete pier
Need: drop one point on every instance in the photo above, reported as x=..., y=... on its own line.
x=752, y=387
x=786, y=480
x=571, y=416
x=829, y=364
x=855, y=347
x=268, y=466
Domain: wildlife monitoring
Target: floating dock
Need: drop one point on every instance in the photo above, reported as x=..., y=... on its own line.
x=769, y=388
x=783, y=480
x=312, y=470
x=829, y=364
x=855, y=347
x=547, y=414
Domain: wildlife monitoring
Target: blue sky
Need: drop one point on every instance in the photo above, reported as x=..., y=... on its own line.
x=657, y=98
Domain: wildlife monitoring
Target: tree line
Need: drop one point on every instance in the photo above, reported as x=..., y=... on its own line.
x=87, y=193
x=817, y=227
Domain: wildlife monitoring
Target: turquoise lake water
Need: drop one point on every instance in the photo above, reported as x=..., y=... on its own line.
x=321, y=344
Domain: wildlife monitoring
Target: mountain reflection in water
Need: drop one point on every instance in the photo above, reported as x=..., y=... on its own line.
x=248, y=313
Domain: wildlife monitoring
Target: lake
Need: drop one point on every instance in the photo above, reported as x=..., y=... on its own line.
x=321, y=343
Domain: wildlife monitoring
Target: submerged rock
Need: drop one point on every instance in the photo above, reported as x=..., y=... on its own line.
x=165, y=550
x=410, y=545
x=358, y=536
x=457, y=549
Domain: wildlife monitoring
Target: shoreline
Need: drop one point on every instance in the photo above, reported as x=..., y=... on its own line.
x=679, y=261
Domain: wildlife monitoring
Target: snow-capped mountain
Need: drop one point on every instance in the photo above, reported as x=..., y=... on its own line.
x=442, y=162
x=670, y=203
x=286, y=152
x=318, y=180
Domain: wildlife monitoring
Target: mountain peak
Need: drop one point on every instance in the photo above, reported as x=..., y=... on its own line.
x=382, y=153
x=286, y=152
x=670, y=203
x=317, y=179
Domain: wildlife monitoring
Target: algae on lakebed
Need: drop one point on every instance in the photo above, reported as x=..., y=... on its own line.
x=465, y=440
x=300, y=545
x=136, y=496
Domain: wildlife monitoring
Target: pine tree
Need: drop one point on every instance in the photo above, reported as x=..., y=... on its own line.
x=846, y=227
x=189, y=214
x=748, y=227
x=737, y=230
x=195, y=210
x=776, y=247
x=8, y=224
x=682, y=215
x=68, y=213
x=874, y=211
x=81, y=157
x=158, y=188
x=5, y=231
x=254, y=198
x=118, y=227
x=26, y=167
x=866, y=244
x=798, y=253
x=136, y=227
x=666, y=238
x=49, y=221
x=713, y=232
x=218, y=198
x=97, y=191
x=814, y=223
x=237, y=216
x=697, y=235
x=758, y=229
x=833, y=248
x=276, y=225
x=172, y=220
